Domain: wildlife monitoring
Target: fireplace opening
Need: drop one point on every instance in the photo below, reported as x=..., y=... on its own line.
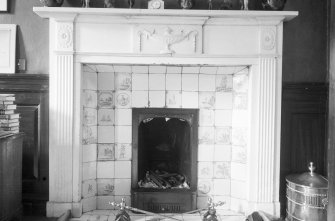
x=164, y=167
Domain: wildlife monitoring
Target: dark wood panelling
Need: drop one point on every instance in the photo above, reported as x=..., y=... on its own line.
x=32, y=99
x=303, y=138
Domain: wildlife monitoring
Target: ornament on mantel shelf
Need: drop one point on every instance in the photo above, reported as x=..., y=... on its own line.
x=186, y=4
x=52, y=3
x=85, y=3
x=244, y=4
x=131, y=3
x=109, y=3
x=275, y=5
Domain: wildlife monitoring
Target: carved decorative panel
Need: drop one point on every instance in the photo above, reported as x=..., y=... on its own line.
x=64, y=36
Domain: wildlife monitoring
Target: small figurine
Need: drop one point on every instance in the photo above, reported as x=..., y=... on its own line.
x=131, y=3
x=85, y=3
x=210, y=4
x=244, y=4
x=109, y=3
x=273, y=4
x=186, y=4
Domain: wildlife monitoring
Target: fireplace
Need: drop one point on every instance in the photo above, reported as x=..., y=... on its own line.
x=164, y=163
x=106, y=63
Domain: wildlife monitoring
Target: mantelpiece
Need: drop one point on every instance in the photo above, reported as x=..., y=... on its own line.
x=172, y=38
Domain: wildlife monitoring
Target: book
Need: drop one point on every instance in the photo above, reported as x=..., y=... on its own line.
x=8, y=121
x=5, y=112
x=14, y=124
x=10, y=116
x=6, y=102
x=9, y=128
x=7, y=106
x=7, y=97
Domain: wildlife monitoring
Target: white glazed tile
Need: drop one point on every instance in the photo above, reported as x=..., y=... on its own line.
x=239, y=154
x=123, y=151
x=224, y=83
x=123, y=134
x=223, y=208
x=90, y=81
x=191, y=69
x=89, y=204
x=207, y=100
x=89, y=68
x=223, y=118
x=223, y=100
x=173, y=82
x=104, y=68
x=105, y=169
x=122, y=187
x=238, y=171
x=222, y=153
x=89, y=135
x=205, y=170
x=240, y=101
x=205, y=187
x=206, y=135
x=106, y=99
x=208, y=70
x=90, y=116
x=123, y=99
x=206, y=82
x=240, y=118
x=140, y=82
x=106, y=151
x=156, y=82
x=205, y=152
x=221, y=187
x=157, y=69
x=202, y=202
x=190, y=99
x=241, y=83
x=106, y=134
x=157, y=98
x=105, y=187
x=206, y=117
x=103, y=203
x=238, y=189
x=89, y=188
x=240, y=136
x=89, y=152
x=123, y=169
x=122, y=68
x=123, y=117
x=173, y=70
x=226, y=70
x=140, y=69
x=90, y=98
x=123, y=81
x=173, y=99
x=223, y=135
x=89, y=170
x=190, y=82
x=241, y=70
x=140, y=99
x=106, y=81
x=106, y=117
x=222, y=170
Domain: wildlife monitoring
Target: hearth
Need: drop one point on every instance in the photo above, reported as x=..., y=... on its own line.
x=164, y=162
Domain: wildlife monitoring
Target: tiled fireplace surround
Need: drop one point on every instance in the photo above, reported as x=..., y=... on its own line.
x=104, y=62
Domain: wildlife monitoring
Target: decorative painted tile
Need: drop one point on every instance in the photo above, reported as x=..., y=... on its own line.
x=123, y=169
x=226, y=70
x=206, y=117
x=122, y=187
x=241, y=101
x=239, y=136
x=206, y=135
x=106, y=81
x=173, y=82
x=191, y=69
x=205, y=186
x=122, y=68
x=221, y=187
x=89, y=204
x=89, y=188
x=105, y=169
x=223, y=117
x=156, y=98
x=157, y=69
x=106, y=187
x=89, y=152
x=222, y=152
x=238, y=171
x=223, y=100
x=123, y=99
x=156, y=82
x=207, y=82
x=123, y=117
x=205, y=170
x=106, y=134
x=103, y=203
x=205, y=152
x=90, y=98
x=207, y=100
x=106, y=99
x=241, y=83
x=140, y=69
x=90, y=81
x=106, y=117
x=222, y=170
x=123, y=134
x=123, y=81
x=89, y=135
x=140, y=82
x=238, y=189
x=140, y=98
x=208, y=70
x=223, y=135
x=224, y=83
x=239, y=154
x=89, y=171
x=190, y=82
x=190, y=99
x=173, y=99
x=173, y=70
x=106, y=151
x=123, y=151
x=104, y=68
x=90, y=116
x=89, y=68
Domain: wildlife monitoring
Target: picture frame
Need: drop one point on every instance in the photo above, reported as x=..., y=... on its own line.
x=7, y=48
x=3, y=5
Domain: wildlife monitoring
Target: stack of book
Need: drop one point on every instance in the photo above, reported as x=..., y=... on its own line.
x=9, y=120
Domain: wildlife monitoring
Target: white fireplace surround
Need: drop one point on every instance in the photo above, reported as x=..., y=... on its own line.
x=166, y=37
